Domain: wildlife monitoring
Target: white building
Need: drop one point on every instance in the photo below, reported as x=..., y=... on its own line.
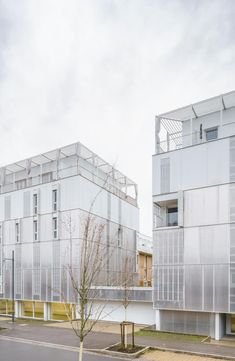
x=194, y=218
x=39, y=197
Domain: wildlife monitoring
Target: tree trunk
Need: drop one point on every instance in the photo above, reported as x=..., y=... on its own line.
x=81, y=351
x=125, y=330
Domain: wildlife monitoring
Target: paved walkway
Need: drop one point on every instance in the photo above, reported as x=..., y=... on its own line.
x=99, y=340
x=101, y=326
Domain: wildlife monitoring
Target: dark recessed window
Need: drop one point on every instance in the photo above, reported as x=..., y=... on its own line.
x=172, y=217
x=211, y=134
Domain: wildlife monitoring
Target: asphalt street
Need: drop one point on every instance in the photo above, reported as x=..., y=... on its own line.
x=18, y=351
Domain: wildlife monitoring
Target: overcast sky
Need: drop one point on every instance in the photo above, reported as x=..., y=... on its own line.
x=98, y=72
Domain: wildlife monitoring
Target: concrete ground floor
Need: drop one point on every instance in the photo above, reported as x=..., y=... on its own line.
x=137, y=312
x=215, y=325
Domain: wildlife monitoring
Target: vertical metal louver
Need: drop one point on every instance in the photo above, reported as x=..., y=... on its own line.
x=36, y=271
x=18, y=273
x=165, y=175
x=7, y=207
x=169, y=270
x=26, y=202
x=56, y=271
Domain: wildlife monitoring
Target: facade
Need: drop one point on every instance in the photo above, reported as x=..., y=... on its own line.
x=194, y=218
x=144, y=260
x=43, y=201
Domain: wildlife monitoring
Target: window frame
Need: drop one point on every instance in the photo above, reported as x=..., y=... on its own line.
x=35, y=230
x=55, y=227
x=35, y=204
x=212, y=129
x=17, y=232
x=55, y=200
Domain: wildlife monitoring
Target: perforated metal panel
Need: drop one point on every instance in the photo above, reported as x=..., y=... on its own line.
x=168, y=269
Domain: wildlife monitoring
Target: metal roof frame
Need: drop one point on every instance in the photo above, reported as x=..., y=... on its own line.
x=203, y=107
x=77, y=149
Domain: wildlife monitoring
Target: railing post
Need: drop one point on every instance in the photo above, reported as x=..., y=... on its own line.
x=157, y=131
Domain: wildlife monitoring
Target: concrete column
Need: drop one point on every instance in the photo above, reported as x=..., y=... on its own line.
x=158, y=326
x=77, y=311
x=47, y=311
x=219, y=326
x=18, y=308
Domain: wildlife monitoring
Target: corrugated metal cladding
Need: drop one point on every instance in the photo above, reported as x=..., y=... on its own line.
x=168, y=268
x=201, y=323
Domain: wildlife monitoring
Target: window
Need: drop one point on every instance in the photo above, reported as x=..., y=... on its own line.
x=35, y=204
x=35, y=230
x=17, y=232
x=119, y=236
x=54, y=200
x=211, y=133
x=172, y=216
x=55, y=227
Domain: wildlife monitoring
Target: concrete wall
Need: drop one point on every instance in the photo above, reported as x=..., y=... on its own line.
x=138, y=312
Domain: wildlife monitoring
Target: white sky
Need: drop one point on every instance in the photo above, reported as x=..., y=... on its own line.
x=97, y=71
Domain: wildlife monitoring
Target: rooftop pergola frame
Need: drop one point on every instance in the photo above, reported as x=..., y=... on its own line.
x=97, y=167
x=168, y=126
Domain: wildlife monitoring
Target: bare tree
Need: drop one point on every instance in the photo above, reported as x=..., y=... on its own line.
x=126, y=283
x=86, y=277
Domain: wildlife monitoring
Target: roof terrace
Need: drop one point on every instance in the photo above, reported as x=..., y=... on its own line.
x=191, y=124
x=74, y=159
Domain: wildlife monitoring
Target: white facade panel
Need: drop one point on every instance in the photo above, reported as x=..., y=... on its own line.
x=206, y=245
x=130, y=216
x=205, y=206
x=194, y=167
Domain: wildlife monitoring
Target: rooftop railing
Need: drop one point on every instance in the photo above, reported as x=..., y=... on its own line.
x=172, y=134
x=66, y=162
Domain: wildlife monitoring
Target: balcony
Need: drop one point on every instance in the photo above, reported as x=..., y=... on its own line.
x=166, y=214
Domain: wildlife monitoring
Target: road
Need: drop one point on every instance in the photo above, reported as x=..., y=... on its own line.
x=13, y=350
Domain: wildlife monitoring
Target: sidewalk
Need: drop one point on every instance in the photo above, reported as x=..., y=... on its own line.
x=40, y=331
x=101, y=326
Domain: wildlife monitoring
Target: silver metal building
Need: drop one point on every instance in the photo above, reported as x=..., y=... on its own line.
x=194, y=218
x=40, y=198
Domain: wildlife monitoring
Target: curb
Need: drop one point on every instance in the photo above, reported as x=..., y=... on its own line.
x=201, y=354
